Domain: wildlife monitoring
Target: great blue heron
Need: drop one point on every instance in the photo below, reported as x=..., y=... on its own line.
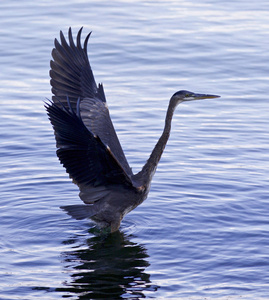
x=88, y=146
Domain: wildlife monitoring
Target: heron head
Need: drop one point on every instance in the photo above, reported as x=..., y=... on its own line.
x=183, y=95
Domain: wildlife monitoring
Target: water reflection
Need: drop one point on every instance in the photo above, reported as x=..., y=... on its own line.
x=109, y=267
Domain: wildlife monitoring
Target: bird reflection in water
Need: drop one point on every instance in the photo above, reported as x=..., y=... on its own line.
x=111, y=267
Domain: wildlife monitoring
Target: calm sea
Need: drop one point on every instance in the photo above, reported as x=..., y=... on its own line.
x=203, y=232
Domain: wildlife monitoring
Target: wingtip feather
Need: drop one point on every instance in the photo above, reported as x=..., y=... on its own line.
x=86, y=41
x=79, y=38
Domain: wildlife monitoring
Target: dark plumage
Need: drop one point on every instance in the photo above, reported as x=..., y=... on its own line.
x=88, y=146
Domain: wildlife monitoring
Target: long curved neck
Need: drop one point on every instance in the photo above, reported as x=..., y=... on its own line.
x=150, y=167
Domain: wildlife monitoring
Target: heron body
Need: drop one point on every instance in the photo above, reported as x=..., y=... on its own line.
x=86, y=141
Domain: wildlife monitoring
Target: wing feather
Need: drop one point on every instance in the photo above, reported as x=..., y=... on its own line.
x=72, y=77
x=87, y=160
x=71, y=63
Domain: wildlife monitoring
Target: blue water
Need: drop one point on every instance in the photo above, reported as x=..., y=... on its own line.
x=203, y=232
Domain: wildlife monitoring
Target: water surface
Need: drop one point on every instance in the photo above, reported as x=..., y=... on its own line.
x=203, y=231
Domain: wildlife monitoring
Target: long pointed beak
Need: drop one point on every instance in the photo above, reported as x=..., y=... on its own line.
x=202, y=96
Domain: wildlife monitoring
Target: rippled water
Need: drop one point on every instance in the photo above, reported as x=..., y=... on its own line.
x=203, y=231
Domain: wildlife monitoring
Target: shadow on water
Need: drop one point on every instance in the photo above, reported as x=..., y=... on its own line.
x=109, y=267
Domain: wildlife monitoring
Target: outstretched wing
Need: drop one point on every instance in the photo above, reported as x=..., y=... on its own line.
x=72, y=77
x=71, y=72
x=89, y=162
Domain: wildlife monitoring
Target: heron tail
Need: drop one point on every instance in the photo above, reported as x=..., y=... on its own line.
x=80, y=212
